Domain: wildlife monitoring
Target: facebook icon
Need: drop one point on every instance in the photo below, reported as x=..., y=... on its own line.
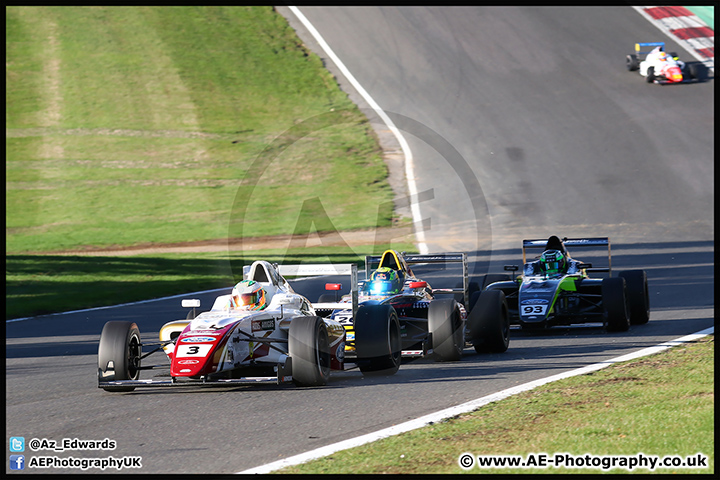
x=17, y=462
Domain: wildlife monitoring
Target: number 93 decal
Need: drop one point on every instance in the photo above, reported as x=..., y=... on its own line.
x=534, y=309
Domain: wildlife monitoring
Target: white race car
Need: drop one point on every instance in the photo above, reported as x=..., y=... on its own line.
x=661, y=67
x=276, y=339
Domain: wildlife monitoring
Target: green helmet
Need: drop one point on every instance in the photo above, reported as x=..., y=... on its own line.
x=385, y=281
x=553, y=262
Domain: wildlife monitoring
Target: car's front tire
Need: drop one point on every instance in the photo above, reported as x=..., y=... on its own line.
x=119, y=354
x=650, y=78
x=378, y=343
x=309, y=348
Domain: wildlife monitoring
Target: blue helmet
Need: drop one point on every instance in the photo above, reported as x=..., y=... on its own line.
x=385, y=280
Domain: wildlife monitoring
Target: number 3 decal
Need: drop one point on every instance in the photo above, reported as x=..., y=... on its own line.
x=193, y=350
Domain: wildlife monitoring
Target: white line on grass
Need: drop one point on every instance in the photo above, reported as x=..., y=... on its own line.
x=466, y=407
x=409, y=170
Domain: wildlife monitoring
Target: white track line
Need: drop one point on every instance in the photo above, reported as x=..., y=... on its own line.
x=139, y=302
x=409, y=169
x=466, y=407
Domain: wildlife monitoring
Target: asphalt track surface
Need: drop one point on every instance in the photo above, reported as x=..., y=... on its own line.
x=561, y=139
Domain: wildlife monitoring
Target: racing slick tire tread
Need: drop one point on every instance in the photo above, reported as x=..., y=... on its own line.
x=309, y=348
x=697, y=71
x=631, y=61
x=445, y=325
x=637, y=295
x=378, y=341
x=327, y=298
x=615, y=304
x=473, y=287
x=650, y=78
x=489, y=323
x=495, y=277
x=119, y=344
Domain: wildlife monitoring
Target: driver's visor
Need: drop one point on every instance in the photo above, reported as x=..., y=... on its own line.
x=248, y=299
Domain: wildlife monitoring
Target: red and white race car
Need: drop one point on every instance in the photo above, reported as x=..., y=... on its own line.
x=661, y=67
x=274, y=339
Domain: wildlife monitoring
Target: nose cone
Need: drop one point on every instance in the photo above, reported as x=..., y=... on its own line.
x=194, y=354
x=675, y=75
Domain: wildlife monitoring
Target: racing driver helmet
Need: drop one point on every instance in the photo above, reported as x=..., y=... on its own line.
x=384, y=281
x=553, y=262
x=249, y=295
x=662, y=56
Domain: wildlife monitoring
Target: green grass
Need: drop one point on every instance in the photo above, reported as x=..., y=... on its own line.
x=659, y=405
x=129, y=125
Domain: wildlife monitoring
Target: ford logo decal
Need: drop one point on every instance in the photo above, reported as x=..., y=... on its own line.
x=197, y=339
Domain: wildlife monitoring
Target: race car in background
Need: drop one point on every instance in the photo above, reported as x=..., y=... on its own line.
x=660, y=67
x=555, y=289
x=425, y=320
x=276, y=340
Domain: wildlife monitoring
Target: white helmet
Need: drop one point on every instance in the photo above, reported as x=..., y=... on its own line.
x=249, y=295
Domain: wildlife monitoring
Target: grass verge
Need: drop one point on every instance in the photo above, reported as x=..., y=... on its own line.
x=130, y=125
x=660, y=405
x=42, y=284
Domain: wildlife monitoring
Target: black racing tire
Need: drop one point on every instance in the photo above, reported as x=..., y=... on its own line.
x=489, y=323
x=697, y=71
x=614, y=303
x=495, y=277
x=445, y=325
x=378, y=343
x=631, y=62
x=309, y=349
x=473, y=301
x=473, y=287
x=689, y=71
x=638, y=297
x=650, y=78
x=120, y=350
x=327, y=298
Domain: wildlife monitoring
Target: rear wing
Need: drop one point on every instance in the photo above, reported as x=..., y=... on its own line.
x=572, y=242
x=316, y=270
x=416, y=259
x=640, y=45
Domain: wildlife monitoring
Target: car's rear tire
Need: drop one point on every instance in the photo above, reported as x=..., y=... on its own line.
x=445, y=325
x=327, y=298
x=495, y=277
x=489, y=323
x=378, y=344
x=631, y=62
x=119, y=354
x=473, y=287
x=309, y=348
x=615, y=304
x=637, y=295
